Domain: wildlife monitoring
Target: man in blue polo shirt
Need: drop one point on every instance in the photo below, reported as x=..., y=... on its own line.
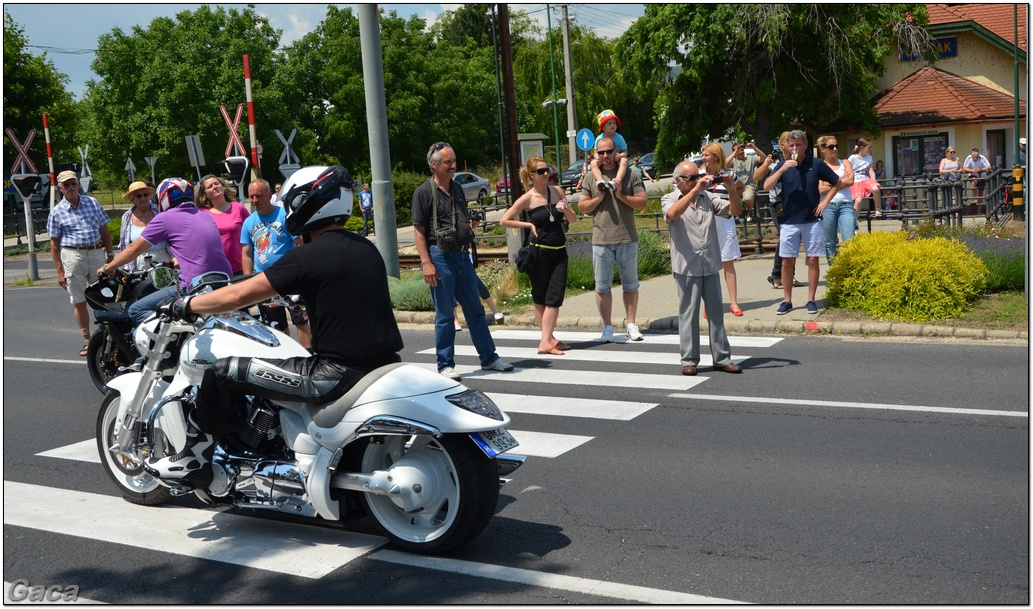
x=799, y=173
x=264, y=238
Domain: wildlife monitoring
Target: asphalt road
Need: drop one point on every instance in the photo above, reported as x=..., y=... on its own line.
x=831, y=471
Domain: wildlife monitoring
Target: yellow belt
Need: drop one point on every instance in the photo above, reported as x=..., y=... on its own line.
x=549, y=247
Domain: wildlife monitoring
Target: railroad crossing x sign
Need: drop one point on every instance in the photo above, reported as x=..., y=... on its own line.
x=287, y=154
x=234, y=138
x=23, y=152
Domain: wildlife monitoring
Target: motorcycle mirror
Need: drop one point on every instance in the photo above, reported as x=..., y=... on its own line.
x=162, y=277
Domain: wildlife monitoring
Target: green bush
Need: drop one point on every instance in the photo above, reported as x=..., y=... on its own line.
x=654, y=257
x=412, y=294
x=889, y=276
x=1006, y=272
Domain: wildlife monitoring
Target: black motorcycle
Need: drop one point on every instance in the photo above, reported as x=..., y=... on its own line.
x=111, y=350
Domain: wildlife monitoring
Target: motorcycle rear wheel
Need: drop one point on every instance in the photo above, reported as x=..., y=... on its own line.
x=464, y=501
x=124, y=469
x=103, y=358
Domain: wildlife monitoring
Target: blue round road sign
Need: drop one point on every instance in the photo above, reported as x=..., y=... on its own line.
x=585, y=139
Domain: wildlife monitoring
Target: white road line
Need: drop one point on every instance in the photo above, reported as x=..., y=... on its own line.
x=80, y=451
x=864, y=405
x=548, y=580
x=761, y=342
x=610, y=410
x=279, y=547
x=44, y=360
x=532, y=444
x=26, y=592
x=580, y=377
x=655, y=358
x=545, y=445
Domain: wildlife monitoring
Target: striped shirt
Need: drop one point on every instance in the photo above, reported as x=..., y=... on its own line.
x=77, y=226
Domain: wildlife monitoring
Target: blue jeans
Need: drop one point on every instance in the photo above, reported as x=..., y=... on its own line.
x=140, y=310
x=458, y=281
x=838, y=216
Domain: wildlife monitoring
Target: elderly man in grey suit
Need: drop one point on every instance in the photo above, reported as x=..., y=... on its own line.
x=696, y=260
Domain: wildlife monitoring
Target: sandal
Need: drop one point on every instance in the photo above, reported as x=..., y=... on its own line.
x=777, y=284
x=736, y=312
x=85, y=350
x=552, y=351
x=562, y=346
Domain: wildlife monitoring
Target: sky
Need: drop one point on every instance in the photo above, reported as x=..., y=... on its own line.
x=71, y=48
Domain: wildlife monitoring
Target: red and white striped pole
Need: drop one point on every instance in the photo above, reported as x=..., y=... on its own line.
x=50, y=159
x=255, y=169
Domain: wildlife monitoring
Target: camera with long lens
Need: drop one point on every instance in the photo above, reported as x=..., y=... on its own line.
x=776, y=155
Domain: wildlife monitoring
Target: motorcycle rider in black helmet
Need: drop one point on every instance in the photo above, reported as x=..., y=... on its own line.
x=352, y=334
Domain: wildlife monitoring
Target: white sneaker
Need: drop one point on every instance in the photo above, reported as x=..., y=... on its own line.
x=449, y=373
x=498, y=365
x=607, y=336
x=633, y=332
x=602, y=185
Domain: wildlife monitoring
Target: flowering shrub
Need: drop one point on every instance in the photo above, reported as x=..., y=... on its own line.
x=897, y=277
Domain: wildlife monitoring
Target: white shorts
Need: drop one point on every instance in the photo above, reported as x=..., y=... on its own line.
x=81, y=270
x=728, y=238
x=812, y=235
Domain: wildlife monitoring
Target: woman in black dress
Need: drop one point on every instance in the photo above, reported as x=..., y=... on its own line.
x=546, y=206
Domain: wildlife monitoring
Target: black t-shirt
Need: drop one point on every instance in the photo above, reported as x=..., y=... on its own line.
x=343, y=281
x=423, y=215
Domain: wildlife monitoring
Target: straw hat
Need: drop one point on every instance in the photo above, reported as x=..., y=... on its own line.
x=136, y=187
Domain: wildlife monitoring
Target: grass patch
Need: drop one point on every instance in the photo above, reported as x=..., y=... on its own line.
x=24, y=282
x=1001, y=311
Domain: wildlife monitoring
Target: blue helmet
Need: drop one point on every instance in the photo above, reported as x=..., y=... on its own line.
x=172, y=192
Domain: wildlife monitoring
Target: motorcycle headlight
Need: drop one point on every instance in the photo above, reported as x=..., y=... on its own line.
x=477, y=403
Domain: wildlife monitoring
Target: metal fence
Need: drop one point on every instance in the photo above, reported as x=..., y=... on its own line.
x=908, y=200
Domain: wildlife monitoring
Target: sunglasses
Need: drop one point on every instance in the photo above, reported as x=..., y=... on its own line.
x=832, y=146
x=141, y=195
x=610, y=151
x=440, y=146
x=691, y=178
x=542, y=171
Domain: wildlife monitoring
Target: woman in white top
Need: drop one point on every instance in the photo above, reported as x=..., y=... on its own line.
x=714, y=164
x=865, y=183
x=840, y=212
x=135, y=220
x=950, y=168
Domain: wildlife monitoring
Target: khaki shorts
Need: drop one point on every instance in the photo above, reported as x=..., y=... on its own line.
x=81, y=270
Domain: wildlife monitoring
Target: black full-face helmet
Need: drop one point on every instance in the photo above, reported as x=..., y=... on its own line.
x=317, y=196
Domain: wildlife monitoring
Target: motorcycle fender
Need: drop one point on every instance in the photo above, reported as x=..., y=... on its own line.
x=319, y=486
x=431, y=410
x=126, y=384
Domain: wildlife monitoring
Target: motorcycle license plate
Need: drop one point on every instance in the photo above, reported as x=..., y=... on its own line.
x=494, y=442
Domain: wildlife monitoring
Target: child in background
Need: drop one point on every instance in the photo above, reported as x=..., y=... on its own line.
x=608, y=123
x=865, y=183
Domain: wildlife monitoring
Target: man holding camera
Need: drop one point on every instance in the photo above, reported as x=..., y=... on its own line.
x=744, y=166
x=443, y=232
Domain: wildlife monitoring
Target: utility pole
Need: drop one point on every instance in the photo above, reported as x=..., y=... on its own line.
x=514, y=237
x=568, y=68
x=376, y=127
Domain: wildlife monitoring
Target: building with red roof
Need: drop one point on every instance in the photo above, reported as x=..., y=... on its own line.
x=965, y=100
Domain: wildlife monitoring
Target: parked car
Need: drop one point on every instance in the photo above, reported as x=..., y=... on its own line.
x=474, y=186
x=570, y=175
x=648, y=164
x=503, y=185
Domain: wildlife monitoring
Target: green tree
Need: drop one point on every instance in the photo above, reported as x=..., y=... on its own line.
x=32, y=86
x=164, y=82
x=755, y=69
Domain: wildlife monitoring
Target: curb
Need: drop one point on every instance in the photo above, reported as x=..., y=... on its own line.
x=669, y=325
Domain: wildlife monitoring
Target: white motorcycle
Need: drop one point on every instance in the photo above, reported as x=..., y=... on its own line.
x=420, y=453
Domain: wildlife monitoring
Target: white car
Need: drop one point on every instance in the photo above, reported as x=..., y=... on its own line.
x=474, y=186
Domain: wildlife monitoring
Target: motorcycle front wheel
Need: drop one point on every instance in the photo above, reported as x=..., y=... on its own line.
x=463, y=498
x=125, y=469
x=103, y=359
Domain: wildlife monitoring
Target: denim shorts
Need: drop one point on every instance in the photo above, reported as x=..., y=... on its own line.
x=625, y=256
x=812, y=235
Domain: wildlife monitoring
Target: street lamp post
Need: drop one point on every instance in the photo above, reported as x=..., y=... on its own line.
x=555, y=102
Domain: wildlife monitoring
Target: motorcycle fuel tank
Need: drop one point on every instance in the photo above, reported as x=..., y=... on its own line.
x=234, y=335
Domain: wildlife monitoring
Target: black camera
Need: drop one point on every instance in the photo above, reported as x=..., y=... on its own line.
x=476, y=215
x=776, y=155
